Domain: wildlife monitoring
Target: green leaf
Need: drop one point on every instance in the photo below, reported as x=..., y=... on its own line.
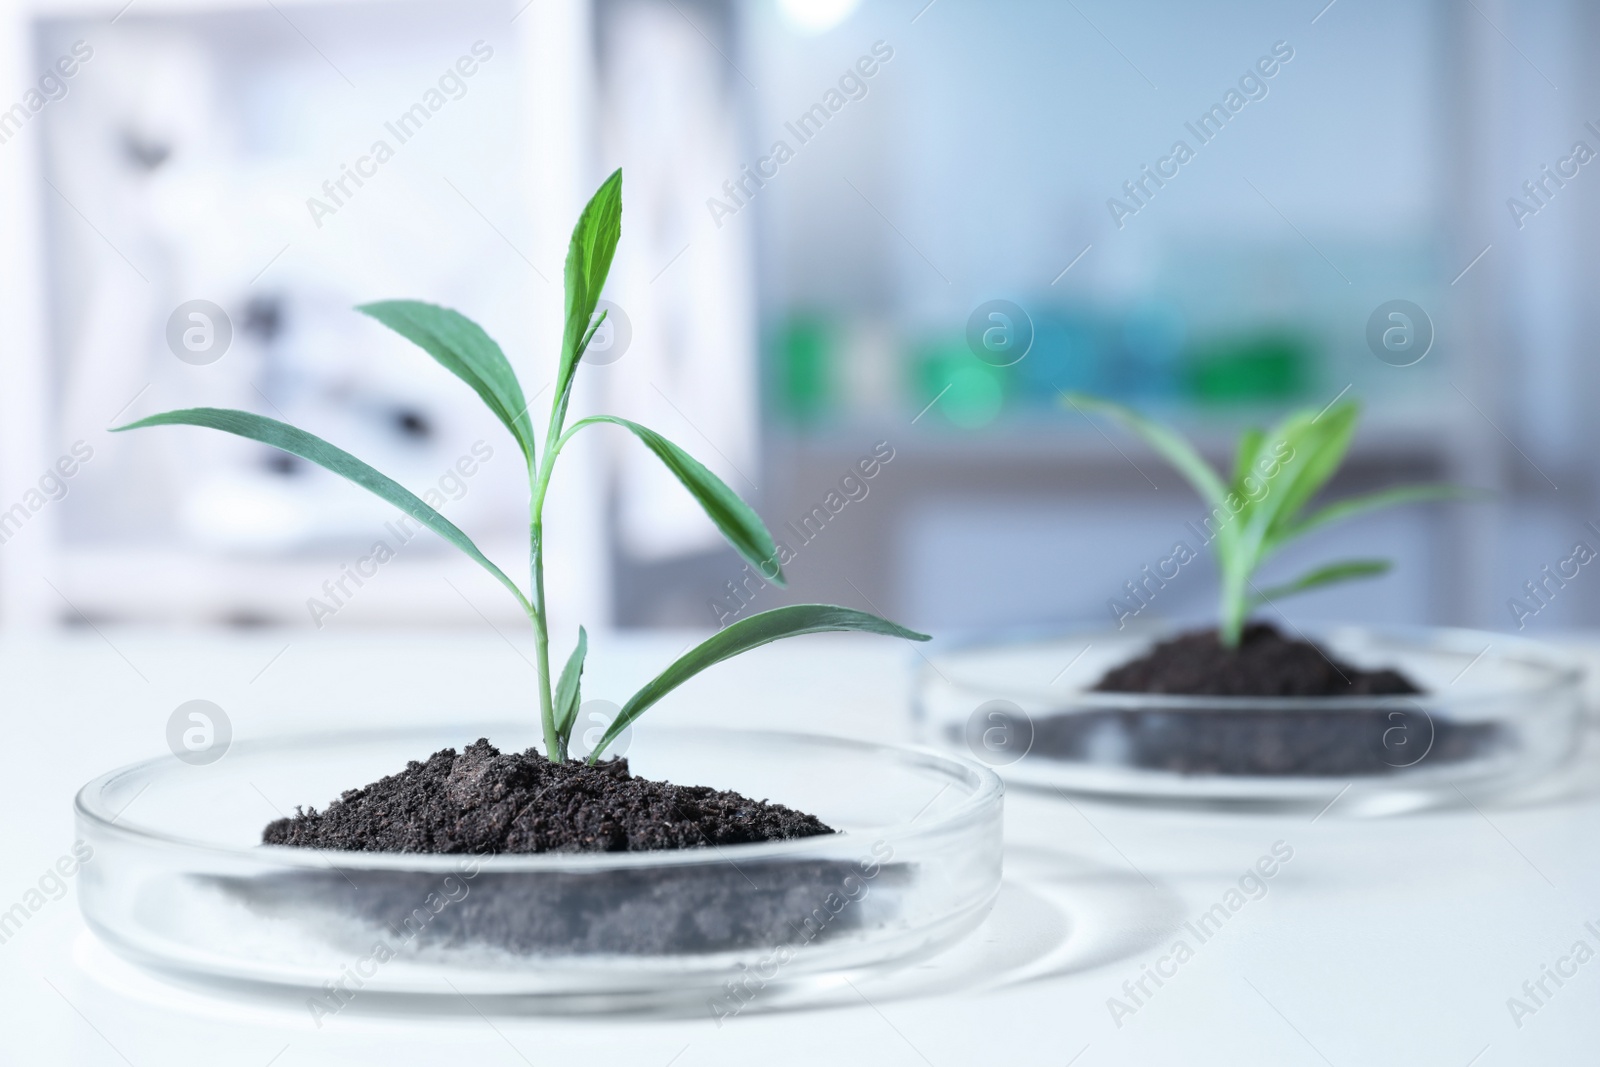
x=1244, y=460
x=461, y=346
x=1307, y=467
x=309, y=446
x=1173, y=448
x=594, y=242
x=1340, y=510
x=1320, y=444
x=737, y=520
x=1328, y=575
x=742, y=636
x=568, y=695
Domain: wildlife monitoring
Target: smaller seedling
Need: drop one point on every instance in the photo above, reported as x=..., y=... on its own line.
x=462, y=347
x=1261, y=506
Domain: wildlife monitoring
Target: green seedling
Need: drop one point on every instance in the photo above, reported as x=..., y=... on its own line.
x=1261, y=506
x=465, y=350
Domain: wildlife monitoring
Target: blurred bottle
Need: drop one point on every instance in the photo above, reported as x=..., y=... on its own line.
x=1268, y=365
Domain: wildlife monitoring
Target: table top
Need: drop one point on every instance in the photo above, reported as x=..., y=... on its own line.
x=1377, y=941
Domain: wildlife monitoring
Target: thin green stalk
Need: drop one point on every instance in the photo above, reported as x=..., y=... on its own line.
x=541, y=637
x=555, y=745
x=558, y=403
x=1235, y=606
x=541, y=630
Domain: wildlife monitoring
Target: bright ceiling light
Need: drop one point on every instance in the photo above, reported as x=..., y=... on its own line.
x=816, y=16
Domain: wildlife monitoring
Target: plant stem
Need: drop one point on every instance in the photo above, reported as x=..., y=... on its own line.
x=541, y=629
x=1234, y=606
x=555, y=744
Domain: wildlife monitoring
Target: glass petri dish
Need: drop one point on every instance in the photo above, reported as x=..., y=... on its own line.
x=180, y=884
x=1496, y=712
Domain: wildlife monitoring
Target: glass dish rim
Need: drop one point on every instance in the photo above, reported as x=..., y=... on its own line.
x=1561, y=671
x=988, y=790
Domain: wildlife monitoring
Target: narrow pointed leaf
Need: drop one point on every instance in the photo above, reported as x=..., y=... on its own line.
x=1340, y=510
x=1293, y=437
x=742, y=636
x=568, y=695
x=1328, y=575
x=310, y=447
x=737, y=521
x=1314, y=448
x=594, y=242
x=461, y=346
x=1173, y=448
x=1323, y=443
x=1244, y=461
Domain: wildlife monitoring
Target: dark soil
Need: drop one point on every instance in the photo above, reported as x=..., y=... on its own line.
x=1392, y=735
x=1304, y=743
x=722, y=907
x=484, y=801
x=1266, y=664
x=481, y=802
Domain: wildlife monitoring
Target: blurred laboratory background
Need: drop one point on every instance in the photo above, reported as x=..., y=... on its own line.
x=859, y=236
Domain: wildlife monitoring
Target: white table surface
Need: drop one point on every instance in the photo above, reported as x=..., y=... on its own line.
x=1394, y=941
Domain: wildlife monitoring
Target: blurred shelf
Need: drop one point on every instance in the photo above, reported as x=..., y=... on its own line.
x=1409, y=437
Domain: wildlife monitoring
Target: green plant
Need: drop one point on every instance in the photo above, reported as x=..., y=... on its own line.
x=1261, y=506
x=463, y=348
